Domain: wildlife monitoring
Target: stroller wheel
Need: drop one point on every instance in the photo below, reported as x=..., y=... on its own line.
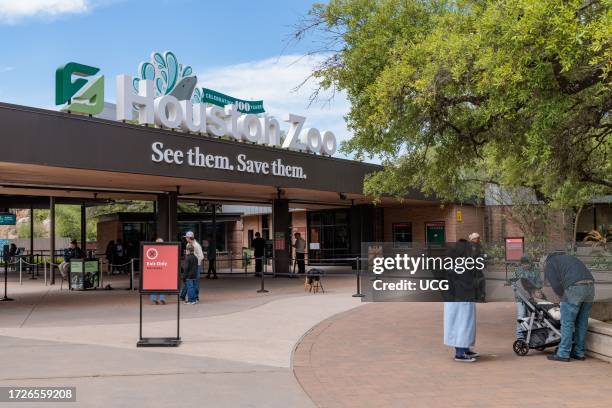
x=520, y=348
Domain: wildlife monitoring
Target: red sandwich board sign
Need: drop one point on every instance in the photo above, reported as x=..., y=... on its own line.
x=515, y=247
x=160, y=268
x=159, y=273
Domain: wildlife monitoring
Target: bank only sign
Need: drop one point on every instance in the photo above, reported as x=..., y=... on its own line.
x=164, y=94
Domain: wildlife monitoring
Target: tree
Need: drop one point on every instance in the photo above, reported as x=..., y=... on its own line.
x=455, y=94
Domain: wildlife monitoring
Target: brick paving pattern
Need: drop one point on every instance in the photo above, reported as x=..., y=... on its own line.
x=391, y=355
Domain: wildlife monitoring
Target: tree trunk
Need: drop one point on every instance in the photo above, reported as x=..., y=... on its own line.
x=576, y=219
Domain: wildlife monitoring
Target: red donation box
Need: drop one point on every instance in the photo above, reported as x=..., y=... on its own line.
x=160, y=267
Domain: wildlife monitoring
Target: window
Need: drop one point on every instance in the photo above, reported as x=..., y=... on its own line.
x=265, y=227
x=250, y=236
x=207, y=234
x=328, y=236
x=402, y=234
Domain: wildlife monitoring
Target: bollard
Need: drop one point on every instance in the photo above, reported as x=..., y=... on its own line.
x=263, y=289
x=231, y=258
x=33, y=272
x=5, y=298
x=45, y=270
x=358, y=294
x=132, y=274
x=20, y=271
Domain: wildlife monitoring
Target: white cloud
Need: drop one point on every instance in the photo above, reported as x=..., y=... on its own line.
x=274, y=80
x=6, y=69
x=13, y=11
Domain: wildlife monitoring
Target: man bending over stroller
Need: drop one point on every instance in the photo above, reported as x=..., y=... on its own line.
x=574, y=284
x=526, y=271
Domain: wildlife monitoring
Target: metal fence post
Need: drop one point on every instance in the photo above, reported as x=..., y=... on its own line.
x=358, y=264
x=45, y=270
x=20, y=271
x=263, y=289
x=231, y=258
x=132, y=274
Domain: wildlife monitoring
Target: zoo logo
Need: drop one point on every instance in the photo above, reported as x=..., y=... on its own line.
x=172, y=78
x=82, y=95
x=168, y=76
x=152, y=254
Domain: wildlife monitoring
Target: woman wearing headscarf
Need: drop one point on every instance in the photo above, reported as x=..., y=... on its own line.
x=460, y=313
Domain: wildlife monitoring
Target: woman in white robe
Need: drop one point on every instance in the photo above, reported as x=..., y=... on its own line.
x=460, y=327
x=460, y=315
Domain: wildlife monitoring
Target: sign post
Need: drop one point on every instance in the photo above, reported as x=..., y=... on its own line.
x=160, y=269
x=6, y=219
x=514, y=248
x=5, y=256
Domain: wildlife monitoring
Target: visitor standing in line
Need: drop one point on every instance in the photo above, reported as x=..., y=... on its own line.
x=211, y=254
x=259, y=247
x=190, y=272
x=300, y=252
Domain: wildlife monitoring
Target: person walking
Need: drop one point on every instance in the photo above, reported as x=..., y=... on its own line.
x=190, y=272
x=199, y=254
x=211, y=254
x=120, y=255
x=259, y=248
x=572, y=281
x=110, y=254
x=300, y=252
x=157, y=298
x=460, y=313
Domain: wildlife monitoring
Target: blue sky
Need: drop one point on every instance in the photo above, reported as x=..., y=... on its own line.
x=235, y=47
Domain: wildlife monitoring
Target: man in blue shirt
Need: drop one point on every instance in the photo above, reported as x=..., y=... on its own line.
x=574, y=284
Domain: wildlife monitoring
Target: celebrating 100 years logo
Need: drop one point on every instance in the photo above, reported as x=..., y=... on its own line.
x=164, y=93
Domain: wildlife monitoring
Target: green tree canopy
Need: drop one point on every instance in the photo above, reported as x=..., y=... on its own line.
x=453, y=94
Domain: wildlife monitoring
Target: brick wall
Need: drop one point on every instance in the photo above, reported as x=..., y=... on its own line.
x=107, y=231
x=234, y=234
x=250, y=222
x=298, y=223
x=472, y=221
x=500, y=225
x=419, y=216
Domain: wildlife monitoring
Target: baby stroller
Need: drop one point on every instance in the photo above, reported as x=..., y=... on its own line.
x=541, y=328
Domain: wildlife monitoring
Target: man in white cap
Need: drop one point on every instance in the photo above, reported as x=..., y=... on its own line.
x=479, y=277
x=197, y=251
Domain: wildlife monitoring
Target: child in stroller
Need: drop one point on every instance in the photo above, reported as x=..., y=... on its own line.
x=526, y=270
x=540, y=328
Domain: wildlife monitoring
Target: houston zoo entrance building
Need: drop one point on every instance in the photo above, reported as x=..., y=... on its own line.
x=168, y=142
x=61, y=158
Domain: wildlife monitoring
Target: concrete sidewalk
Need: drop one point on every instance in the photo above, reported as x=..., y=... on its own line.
x=236, y=349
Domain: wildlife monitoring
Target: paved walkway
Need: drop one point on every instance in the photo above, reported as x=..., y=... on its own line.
x=280, y=349
x=236, y=349
x=391, y=355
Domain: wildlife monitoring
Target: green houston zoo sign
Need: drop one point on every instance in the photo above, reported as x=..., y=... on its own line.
x=86, y=93
x=164, y=94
